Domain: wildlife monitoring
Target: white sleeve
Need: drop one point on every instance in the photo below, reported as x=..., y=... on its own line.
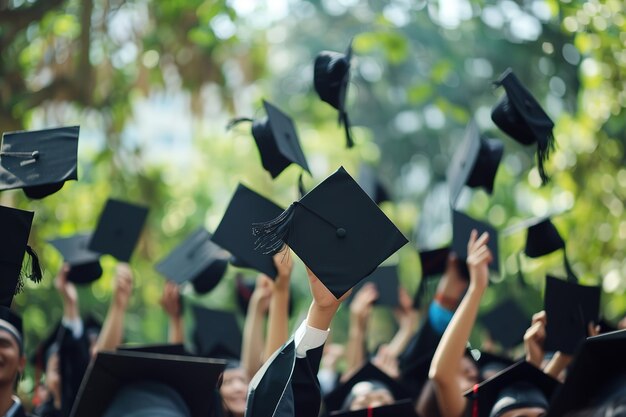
x=307, y=338
x=75, y=326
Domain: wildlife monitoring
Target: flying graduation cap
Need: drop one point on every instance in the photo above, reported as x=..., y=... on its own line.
x=463, y=226
x=277, y=140
x=84, y=264
x=118, y=230
x=39, y=161
x=519, y=115
x=387, y=284
x=336, y=229
x=475, y=163
x=331, y=77
x=216, y=333
x=198, y=260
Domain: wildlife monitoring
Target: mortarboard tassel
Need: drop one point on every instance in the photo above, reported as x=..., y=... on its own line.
x=35, y=267
x=544, y=149
x=273, y=234
x=346, y=125
x=301, y=188
x=234, y=122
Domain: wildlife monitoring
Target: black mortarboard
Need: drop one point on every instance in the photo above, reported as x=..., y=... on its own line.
x=196, y=259
x=518, y=386
x=192, y=378
x=216, y=333
x=118, y=229
x=403, y=408
x=234, y=232
x=277, y=140
x=387, y=283
x=521, y=117
x=15, y=224
x=542, y=239
x=462, y=226
x=331, y=76
x=489, y=362
x=84, y=264
x=335, y=399
x=371, y=184
x=506, y=323
x=475, y=163
x=337, y=231
x=570, y=308
x=161, y=349
x=434, y=263
x=39, y=161
x=597, y=373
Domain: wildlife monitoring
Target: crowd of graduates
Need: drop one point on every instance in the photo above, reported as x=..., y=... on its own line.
x=572, y=363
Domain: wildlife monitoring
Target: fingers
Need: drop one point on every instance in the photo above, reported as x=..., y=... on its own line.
x=541, y=316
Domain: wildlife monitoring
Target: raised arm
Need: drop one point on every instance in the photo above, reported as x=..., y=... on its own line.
x=408, y=319
x=170, y=302
x=278, y=320
x=444, y=368
x=253, y=330
x=113, y=328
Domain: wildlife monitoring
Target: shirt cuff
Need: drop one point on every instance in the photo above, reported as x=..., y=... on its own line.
x=74, y=325
x=307, y=338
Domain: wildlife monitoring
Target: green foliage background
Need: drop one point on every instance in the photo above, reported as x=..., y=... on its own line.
x=422, y=69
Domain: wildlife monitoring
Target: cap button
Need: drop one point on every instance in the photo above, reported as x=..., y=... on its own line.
x=341, y=232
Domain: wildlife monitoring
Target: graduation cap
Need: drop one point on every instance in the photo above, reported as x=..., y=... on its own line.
x=337, y=231
x=111, y=372
x=331, y=75
x=118, y=229
x=434, y=263
x=403, y=408
x=196, y=259
x=371, y=184
x=234, y=231
x=518, y=386
x=160, y=348
x=475, y=163
x=506, y=323
x=216, y=333
x=596, y=374
x=38, y=161
x=521, y=117
x=84, y=264
x=336, y=399
x=463, y=225
x=387, y=283
x=15, y=224
x=569, y=308
x=277, y=140
x=489, y=362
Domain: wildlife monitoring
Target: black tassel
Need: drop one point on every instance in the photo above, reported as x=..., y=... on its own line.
x=35, y=274
x=346, y=125
x=301, y=188
x=520, y=274
x=544, y=149
x=273, y=235
x=234, y=122
x=571, y=276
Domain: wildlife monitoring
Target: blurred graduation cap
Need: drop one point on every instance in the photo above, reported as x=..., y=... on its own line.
x=463, y=225
x=597, y=375
x=39, y=161
x=337, y=231
x=216, y=333
x=506, y=323
x=336, y=399
x=519, y=115
x=433, y=264
x=191, y=378
x=234, y=231
x=489, y=362
x=518, y=386
x=331, y=76
x=118, y=229
x=387, y=283
x=277, y=140
x=15, y=224
x=84, y=264
x=475, y=163
x=570, y=308
x=177, y=349
x=403, y=408
x=371, y=184
x=196, y=259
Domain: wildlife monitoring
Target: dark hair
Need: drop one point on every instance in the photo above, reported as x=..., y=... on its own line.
x=615, y=407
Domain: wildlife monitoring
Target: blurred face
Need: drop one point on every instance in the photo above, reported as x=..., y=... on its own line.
x=234, y=390
x=11, y=362
x=368, y=395
x=53, y=375
x=468, y=374
x=525, y=412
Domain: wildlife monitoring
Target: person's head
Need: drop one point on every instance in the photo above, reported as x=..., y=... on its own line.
x=520, y=399
x=12, y=358
x=234, y=389
x=366, y=394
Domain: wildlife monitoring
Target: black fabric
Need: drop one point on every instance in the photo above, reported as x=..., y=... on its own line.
x=15, y=223
x=414, y=362
x=85, y=264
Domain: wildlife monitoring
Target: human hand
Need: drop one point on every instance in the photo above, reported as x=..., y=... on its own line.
x=324, y=305
x=262, y=293
x=386, y=362
x=593, y=329
x=284, y=264
x=66, y=289
x=534, y=338
x=332, y=353
x=478, y=258
x=361, y=305
x=170, y=300
x=405, y=314
x=123, y=287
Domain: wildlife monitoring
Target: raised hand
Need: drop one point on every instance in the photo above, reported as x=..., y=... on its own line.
x=170, y=299
x=68, y=292
x=123, y=287
x=534, y=339
x=361, y=306
x=478, y=258
x=284, y=264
